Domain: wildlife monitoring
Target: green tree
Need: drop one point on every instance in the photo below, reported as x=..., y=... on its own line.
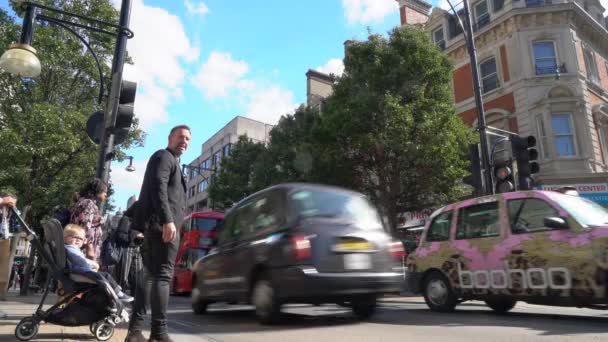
x=46, y=154
x=233, y=181
x=391, y=123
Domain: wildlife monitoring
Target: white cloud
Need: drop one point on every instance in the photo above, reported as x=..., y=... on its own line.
x=333, y=66
x=125, y=181
x=159, y=50
x=605, y=5
x=222, y=76
x=268, y=104
x=219, y=74
x=366, y=11
x=199, y=8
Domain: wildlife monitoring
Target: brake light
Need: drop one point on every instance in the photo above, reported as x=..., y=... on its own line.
x=301, y=247
x=396, y=250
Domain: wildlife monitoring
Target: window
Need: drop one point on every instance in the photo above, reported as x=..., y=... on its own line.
x=439, y=230
x=269, y=213
x=590, y=65
x=478, y=221
x=528, y=215
x=545, y=60
x=563, y=134
x=542, y=134
x=498, y=4
x=585, y=212
x=489, y=75
x=481, y=14
x=229, y=229
x=226, y=149
x=216, y=158
x=453, y=28
x=438, y=38
x=203, y=185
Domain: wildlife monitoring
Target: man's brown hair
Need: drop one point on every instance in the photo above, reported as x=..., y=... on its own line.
x=179, y=127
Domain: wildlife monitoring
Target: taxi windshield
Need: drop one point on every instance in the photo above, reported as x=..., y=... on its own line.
x=586, y=212
x=337, y=205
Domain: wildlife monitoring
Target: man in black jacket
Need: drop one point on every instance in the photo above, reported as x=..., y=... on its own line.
x=160, y=210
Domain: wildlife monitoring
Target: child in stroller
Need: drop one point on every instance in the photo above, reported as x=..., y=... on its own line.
x=74, y=237
x=85, y=298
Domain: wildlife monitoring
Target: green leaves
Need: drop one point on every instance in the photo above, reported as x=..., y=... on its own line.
x=46, y=153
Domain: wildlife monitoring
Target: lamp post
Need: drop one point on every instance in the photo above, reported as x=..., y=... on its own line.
x=130, y=167
x=21, y=59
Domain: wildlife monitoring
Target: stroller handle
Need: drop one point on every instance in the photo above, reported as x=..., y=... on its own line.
x=28, y=230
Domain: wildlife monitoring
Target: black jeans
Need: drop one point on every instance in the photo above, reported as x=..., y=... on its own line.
x=158, y=259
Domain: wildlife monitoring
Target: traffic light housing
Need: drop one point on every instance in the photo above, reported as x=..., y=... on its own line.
x=125, y=114
x=526, y=156
x=474, y=178
x=503, y=173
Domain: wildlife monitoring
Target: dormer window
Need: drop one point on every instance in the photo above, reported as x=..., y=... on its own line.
x=438, y=38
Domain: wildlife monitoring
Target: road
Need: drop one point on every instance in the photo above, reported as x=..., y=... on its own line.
x=398, y=319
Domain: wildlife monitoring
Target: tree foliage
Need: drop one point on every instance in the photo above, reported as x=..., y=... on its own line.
x=388, y=130
x=46, y=154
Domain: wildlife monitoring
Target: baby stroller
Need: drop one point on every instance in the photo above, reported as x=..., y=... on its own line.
x=85, y=299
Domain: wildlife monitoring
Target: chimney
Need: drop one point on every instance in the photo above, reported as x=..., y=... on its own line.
x=414, y=12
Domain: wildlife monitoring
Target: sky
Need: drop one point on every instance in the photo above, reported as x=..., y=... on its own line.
x=202, y=63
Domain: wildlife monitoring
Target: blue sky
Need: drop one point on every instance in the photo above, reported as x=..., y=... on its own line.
x=202, y=63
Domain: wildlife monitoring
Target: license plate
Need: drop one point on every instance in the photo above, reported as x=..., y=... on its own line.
x=354, y=246
x=357, y=261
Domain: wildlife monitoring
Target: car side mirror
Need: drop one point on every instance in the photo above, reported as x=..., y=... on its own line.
x=556, y=223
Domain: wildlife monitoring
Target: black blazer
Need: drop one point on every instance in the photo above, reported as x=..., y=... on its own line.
x=162, y=198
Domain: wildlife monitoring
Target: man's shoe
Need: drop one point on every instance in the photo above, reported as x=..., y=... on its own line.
x=135, y=336
x=160, y=338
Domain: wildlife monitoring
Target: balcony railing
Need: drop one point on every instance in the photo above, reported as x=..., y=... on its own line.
x=551, y=70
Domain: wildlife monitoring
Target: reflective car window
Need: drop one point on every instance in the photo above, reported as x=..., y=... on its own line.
x=528, y=215
x=478, y=221
x=587, y=213
x=439, y=230
x=339, y=205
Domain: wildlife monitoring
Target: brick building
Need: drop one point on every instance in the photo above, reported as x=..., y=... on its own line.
x=544, y=71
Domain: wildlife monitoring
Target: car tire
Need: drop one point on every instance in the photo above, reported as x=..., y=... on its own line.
x=264, y=299
x=199, y=304
x=438, y=293
x=501, y=305
x=364, y=308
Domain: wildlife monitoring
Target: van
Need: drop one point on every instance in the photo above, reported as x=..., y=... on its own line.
x=539, y=247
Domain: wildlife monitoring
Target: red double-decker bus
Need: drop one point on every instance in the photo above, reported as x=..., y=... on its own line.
x=198, y=236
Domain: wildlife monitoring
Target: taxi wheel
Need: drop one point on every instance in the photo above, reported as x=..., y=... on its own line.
x=264, y=299
x=364, y=308
x=199, y=304
x=501, y=305
x=438, y=293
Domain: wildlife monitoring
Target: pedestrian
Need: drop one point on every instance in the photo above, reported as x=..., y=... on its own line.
x=160, y=211
x=128, y=241
x=86, y=214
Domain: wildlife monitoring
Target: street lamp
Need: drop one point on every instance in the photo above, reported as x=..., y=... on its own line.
x=130, y=168
x=21, y=59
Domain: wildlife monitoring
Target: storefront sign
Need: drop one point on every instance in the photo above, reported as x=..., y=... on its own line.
x=596, y=192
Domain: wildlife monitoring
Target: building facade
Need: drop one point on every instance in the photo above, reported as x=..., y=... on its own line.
x=543, y=68
x=212, y=152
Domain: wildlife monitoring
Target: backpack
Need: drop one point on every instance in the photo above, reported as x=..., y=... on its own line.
x=110, y=251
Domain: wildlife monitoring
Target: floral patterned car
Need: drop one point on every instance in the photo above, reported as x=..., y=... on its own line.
x=539, y=247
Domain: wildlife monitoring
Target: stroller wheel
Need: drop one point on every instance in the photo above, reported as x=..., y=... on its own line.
x=103, y=331
x=26, y=329
x=92, y=327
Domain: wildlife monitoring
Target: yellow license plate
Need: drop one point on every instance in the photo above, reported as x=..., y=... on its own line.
x=354, y=246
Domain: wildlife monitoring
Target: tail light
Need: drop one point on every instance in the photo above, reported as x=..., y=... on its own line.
x=301, y=247
x=396, y=250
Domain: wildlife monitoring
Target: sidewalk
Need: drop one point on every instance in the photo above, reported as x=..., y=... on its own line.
x=16, y=307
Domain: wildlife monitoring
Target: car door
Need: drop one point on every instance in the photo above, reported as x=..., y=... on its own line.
x=215, y=272
x=538, y=265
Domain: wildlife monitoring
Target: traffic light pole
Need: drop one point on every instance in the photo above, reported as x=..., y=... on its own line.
x=481, y=117
x=106, y=145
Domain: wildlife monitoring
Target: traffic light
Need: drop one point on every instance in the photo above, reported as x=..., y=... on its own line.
x=474, y=179
x=503, y=173
x=526, y=155
x=125, y=115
